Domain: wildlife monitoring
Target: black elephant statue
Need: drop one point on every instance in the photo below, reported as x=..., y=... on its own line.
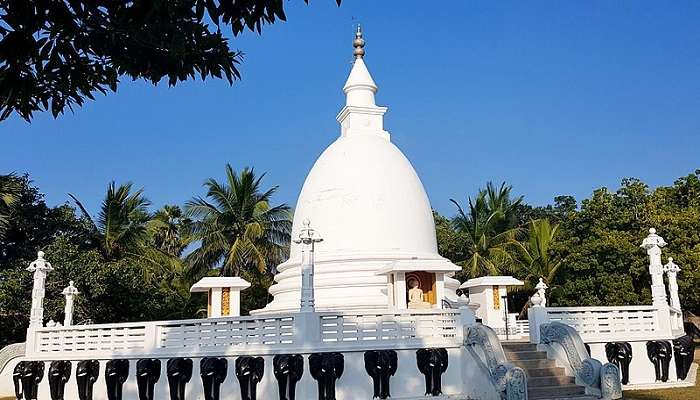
x=620, y=354
x=288, y=369
x=432, y=363
x=147, y=374
x=116, y=373
x=32, y=374
x=179, y=372
x=381, y=365
x=213, y=371
x=17, y=379
x=683, y=353
x=86, y=374
x=249, y=371
x=325, y=368
x=59, y=374
x=659, y=352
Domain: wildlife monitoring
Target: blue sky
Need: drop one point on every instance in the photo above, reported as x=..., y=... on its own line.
x=552, y=97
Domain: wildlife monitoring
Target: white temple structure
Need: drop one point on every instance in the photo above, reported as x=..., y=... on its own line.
x=366, y=200
x=364, y=308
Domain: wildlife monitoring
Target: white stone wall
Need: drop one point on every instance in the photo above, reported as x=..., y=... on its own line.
x=463, y=378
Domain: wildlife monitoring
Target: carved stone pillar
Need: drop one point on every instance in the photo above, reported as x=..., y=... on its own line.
x=40, y=267
x=70, y=292
x=672, y=269
x=307, y=239
x=653, y=244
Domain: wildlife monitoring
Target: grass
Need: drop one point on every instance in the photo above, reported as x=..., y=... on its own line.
x=689, y=393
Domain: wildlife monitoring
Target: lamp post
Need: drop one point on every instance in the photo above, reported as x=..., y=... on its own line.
x=653, y=244
x=40, y=267
x=70, y=292
x=308, y=238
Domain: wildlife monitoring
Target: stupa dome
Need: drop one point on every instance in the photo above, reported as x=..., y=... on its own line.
x=363, y=197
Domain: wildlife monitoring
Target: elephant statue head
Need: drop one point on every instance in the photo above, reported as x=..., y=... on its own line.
x=288, y=369
x=59, y=374
x=17, y=379
x=325, y=368
x=432, y=363
x=179, y=372
x=620, y=354
x=31, y=373
x=249, y=371
x=213, y=371
x=381, y=366
x=659, y=353
x=683, y=352
x=147, y=374
x=86, y=374
x=116, y=373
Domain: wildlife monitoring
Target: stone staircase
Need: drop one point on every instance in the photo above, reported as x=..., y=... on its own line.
x=544, y=379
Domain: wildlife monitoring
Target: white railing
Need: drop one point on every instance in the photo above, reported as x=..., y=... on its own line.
x=522, y=327
x=280, y=333
x=165, y=337
x=91, y=338
x=210, y=333
x=425, y=327
x=609, y=323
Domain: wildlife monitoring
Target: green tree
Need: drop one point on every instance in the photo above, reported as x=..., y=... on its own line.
x=535, y=256
x=489, y=226
x=56, y=53
x=236, y=226
x=168, y=229
x=121, y=226
x=10, y=188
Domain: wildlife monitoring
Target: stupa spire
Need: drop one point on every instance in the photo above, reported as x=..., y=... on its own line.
x=359, y=43
x=361, y=115
x=360, y=87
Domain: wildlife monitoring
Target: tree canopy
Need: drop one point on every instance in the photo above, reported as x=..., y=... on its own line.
x=57, y=53
x=133, y=263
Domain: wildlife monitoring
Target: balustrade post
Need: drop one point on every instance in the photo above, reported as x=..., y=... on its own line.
x=653, y=244
x=308, y=241
x=70, y=292
x=672, y=270
x=537, y=314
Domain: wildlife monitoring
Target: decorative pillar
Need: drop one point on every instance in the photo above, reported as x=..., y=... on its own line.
x=541, y=290
x=40, y=267
x=653, y=244
x=306, y=237
x=70, y=292
x=672, y=270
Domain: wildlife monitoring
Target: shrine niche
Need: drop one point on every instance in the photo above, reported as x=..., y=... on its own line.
x=417, y=284
x=420, y=290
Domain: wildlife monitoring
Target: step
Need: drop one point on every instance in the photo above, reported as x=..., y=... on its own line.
x=527, y=364
x=539, y=372
x=526, y=355
x=519, y=347
x=550, y=392
x=550, y=381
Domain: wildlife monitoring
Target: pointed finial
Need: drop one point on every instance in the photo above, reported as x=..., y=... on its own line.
x=358, y=43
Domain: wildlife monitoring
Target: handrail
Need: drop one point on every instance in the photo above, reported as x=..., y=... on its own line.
x=510, y=381
x=603, y=380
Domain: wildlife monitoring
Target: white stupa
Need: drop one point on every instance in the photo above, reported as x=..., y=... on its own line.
x=366, y=201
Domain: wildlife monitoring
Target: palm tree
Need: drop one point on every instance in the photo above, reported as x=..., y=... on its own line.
x=534, y=254
x=490, y=226
x=236, y=226
x=121, y=227
x=534, y=257
x=168, y=229
x=10, y=190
